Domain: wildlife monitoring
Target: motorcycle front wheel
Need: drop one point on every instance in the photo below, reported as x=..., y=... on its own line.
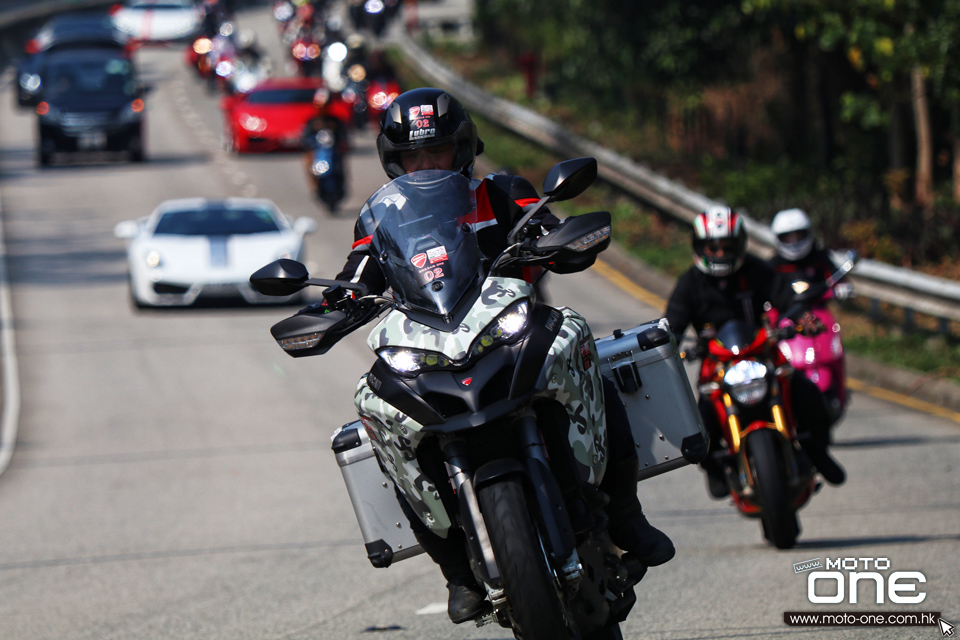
x=534, y=603
x=779, y=518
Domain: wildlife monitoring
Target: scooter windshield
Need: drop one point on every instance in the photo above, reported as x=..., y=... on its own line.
x=421, y=230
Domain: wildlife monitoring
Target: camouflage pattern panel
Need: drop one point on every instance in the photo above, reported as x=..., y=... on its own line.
x=395, y=438
x=571, y=376
x=397, y=330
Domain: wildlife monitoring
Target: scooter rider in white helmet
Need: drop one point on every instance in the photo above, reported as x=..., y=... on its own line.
x=798, y=254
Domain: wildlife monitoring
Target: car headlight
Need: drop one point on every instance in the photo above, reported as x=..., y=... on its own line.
x=508, y=327
x=747, y=382
x=30, y=82
x=252, y=123
x=152, y=259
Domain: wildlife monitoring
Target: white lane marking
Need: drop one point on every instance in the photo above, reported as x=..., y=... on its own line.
x=432, y=609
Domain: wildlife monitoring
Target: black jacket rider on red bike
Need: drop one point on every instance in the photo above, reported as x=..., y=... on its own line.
x=429, y=129
x=727, y=284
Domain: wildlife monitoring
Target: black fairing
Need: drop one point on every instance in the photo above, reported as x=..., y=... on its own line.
x=500, y=382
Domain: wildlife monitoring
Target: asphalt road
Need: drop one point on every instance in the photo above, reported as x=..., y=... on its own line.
x=173, y=477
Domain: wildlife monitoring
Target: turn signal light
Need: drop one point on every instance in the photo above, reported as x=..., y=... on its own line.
x=43, y=109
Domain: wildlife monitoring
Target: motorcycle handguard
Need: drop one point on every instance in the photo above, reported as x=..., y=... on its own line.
x=313, y=334
x=573, y=245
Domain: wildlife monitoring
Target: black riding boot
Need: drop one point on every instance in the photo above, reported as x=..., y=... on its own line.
x=466, y=599
x=629, y=528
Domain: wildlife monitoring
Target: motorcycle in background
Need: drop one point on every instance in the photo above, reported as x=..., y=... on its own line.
x=368, y=96
x=324, y=158
x=819, y=353
x=483, y=406
x=747, y=380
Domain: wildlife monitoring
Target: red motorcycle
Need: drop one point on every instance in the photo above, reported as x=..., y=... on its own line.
x=747, y=380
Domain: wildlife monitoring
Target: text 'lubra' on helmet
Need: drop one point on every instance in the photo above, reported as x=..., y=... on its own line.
x=422, y=118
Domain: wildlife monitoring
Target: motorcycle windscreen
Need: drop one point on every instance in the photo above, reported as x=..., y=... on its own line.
x=737, y=335
x=421, y=229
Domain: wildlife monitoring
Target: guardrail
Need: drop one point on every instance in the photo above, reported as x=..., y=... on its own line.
x=909, y=290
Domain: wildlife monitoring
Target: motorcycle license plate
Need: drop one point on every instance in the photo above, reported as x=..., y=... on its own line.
x=92, y=141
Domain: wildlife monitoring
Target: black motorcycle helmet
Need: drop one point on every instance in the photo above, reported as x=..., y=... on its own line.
x=422, y=118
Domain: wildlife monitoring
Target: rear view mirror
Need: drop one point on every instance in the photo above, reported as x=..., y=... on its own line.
x=280, y=278
x=125, y=230
x=570, y=178
x=305, y=224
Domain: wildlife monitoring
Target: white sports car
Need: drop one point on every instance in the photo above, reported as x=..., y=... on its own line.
x=158, y=20
x=193, y=247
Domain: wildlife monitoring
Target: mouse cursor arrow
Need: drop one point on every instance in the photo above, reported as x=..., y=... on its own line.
x=946, y=629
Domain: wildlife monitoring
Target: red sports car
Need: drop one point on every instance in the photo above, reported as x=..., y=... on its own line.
x=271, y=116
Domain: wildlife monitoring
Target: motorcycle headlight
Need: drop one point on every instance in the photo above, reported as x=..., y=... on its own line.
x=747, y=382
x=246, y=82
x=324, y=138
x=225, y=68
x=413, y=361
x=506, y=328
x=321, y=167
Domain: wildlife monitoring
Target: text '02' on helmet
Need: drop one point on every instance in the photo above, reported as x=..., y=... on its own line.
x=794, y=234
x=719, y=241
x=422, y=118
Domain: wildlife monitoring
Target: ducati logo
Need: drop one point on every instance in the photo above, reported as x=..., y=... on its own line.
x=466, y=382
x=419, y=260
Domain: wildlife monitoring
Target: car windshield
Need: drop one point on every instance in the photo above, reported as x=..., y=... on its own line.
x=422, y=231
x=216, y=222
x=90, y=76
x=282, y=96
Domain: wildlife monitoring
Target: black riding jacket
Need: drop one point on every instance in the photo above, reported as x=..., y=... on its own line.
x=700, y=300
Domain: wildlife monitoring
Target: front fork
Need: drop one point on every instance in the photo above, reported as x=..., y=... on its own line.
x=555, y=529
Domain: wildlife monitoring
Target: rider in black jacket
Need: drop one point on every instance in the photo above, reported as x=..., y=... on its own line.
x=429, y=129
x=725, y=284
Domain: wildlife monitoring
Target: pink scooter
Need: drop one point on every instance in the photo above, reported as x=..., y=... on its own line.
x=819, y=355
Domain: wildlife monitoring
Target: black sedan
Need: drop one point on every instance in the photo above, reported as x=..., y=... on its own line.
x=91, y=101
x=73, y=31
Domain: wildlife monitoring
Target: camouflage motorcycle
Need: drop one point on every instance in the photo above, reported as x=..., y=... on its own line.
x=485, y=407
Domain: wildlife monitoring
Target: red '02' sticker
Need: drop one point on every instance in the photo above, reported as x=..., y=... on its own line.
x=585, y=353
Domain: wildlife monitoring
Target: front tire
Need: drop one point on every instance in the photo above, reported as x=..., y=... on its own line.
x=535, y=607
x=779, y=518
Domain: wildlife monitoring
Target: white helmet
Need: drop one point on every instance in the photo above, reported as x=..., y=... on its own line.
x=793, y=232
